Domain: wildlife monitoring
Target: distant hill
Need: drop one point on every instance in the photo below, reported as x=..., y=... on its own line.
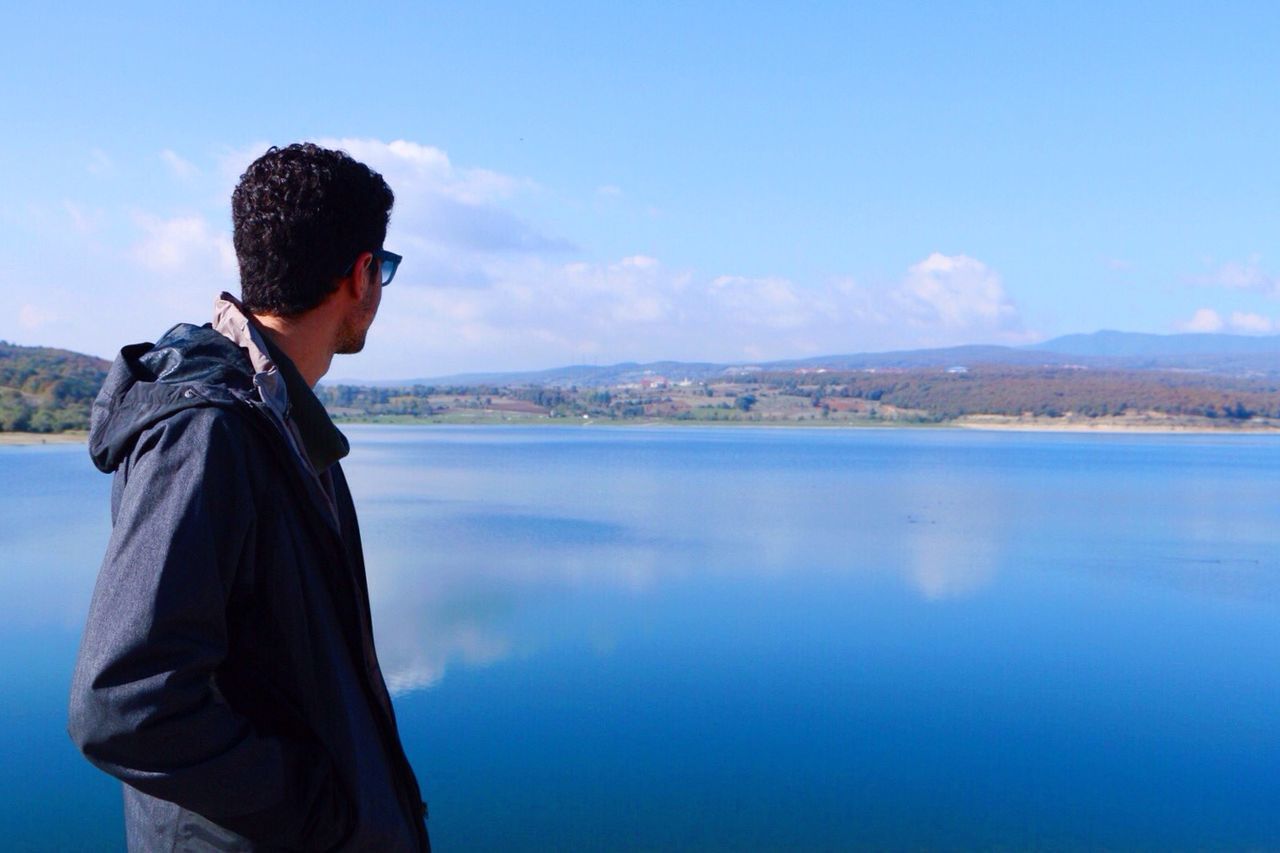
x=1227, y=354
x=942, y=357
x=1112, y=344
x=578, y=374
x=47, y=390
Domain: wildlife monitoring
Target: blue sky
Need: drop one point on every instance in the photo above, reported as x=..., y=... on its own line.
x=585, y=183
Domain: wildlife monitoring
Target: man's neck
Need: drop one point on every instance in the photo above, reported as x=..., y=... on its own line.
x=308, y=347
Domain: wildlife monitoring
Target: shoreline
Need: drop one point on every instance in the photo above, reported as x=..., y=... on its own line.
x=989, y=423
x=25, y=439
x=993, y=423
x=998, y=423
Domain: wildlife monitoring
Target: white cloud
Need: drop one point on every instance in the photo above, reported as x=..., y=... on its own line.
x=424, y=167
x=534, y=312
x=179, y=166
x=1243, y=275
x=766, y=302
x=1251, y=323
x=1204, y=320
x=957, y=292
x=609, y=191
x=183, y=244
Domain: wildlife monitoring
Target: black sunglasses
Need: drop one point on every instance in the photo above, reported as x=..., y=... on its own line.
x=388, y=263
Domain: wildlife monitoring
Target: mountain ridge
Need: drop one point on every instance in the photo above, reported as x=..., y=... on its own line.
x=1104, y=349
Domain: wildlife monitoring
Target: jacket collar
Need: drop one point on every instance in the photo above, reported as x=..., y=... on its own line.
x=324, y=443
x=282, y=387
x=232, y=320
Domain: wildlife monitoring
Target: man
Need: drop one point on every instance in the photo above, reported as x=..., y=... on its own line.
x=227, y=673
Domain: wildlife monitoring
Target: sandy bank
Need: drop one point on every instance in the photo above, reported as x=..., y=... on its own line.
x=1137, y=425
x=24, y=438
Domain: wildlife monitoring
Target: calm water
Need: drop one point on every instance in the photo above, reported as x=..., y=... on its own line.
x=759, y=639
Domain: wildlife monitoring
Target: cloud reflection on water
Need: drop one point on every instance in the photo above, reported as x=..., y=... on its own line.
x=489, y=544
x=458, y=584
x=952, y=549
x=472, y=549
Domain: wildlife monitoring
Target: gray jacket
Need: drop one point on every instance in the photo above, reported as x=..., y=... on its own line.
x=227, y=672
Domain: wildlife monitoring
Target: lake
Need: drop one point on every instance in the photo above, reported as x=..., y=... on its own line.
x=688, y=638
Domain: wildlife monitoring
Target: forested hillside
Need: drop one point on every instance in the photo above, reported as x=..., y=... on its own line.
x=1043, y=392
x=47, y=390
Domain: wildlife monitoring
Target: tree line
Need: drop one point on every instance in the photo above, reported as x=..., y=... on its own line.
x=47, y=390
x=1042, y=392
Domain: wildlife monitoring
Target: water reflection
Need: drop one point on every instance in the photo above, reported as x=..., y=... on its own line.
x=456, y=582
x=953, y=546
x=54, y=524
x=471, y=544
x=476, y=537
x=950, y=559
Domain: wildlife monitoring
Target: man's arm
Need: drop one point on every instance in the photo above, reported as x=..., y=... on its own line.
x=144, y=707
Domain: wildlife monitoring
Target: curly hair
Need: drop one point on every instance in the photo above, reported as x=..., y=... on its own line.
x=301, y=215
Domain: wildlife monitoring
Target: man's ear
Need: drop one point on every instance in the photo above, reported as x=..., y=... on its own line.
x=358, y=283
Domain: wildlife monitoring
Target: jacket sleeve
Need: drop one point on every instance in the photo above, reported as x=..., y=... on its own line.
x=144, y=703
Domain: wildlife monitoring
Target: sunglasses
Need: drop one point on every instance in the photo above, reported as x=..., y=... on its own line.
x=388, y=263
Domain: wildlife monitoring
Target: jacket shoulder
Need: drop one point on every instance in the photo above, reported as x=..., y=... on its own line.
x=213, y=438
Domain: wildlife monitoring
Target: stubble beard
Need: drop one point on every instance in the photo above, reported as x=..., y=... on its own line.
x=352, y=333
x=351, y=337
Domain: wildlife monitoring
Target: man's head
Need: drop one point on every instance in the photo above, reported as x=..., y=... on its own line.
x=305, y=219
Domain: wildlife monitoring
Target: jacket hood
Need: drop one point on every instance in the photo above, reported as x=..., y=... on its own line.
x=189, y=366
x=216, y=364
